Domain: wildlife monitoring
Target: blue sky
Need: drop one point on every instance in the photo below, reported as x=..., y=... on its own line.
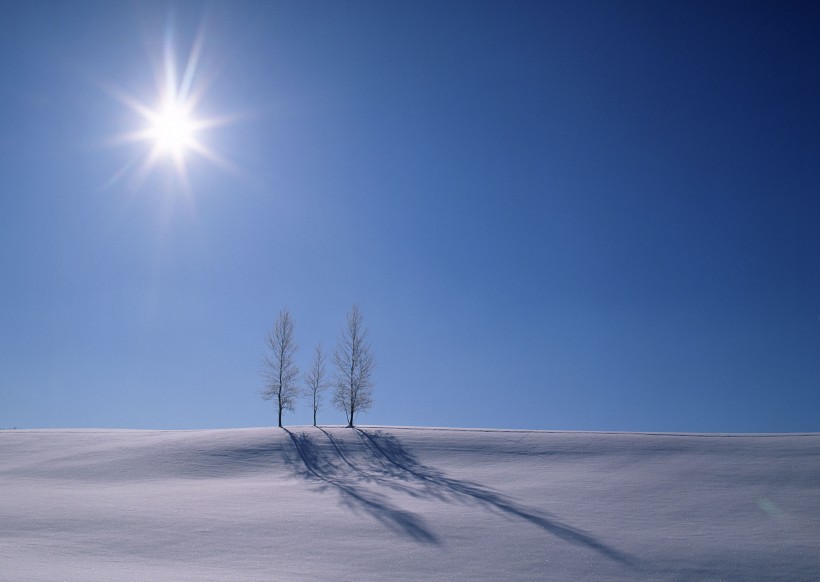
x=554, y=215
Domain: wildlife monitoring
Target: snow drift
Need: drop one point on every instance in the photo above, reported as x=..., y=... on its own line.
x=381, y=503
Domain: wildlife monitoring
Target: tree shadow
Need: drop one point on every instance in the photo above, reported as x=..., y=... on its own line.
x=400, y=464
x=313, y=464
x=387, y=464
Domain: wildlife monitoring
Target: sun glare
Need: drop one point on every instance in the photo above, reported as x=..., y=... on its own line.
x=171, y=129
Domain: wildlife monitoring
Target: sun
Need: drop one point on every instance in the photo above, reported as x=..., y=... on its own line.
x=172, y=128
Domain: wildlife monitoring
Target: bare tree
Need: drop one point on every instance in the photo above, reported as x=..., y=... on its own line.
x=354, y=368
x=316, y=382
x=280, y=372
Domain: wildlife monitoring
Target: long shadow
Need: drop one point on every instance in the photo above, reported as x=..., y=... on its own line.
x=401, y=464
x=321, y=468
x=342, y=454
x=389, y=465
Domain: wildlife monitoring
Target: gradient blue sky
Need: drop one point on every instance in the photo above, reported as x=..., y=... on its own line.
x=554, y=215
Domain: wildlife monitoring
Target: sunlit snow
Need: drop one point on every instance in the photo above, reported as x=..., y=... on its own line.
x=407, y=504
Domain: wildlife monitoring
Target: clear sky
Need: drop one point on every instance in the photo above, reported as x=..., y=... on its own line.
x=554, y=215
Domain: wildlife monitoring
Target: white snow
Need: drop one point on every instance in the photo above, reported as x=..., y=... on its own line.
x=401, y=503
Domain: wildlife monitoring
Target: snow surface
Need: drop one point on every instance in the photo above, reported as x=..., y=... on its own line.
x=381, y=503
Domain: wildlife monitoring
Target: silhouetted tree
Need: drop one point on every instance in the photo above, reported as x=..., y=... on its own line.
x=316, y=382
x=354, y=368
x=280, y=372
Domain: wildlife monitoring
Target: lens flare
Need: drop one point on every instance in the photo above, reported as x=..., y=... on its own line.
x=171, y=129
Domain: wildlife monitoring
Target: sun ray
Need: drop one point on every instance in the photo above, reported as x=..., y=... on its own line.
x=172, y=130
x=191, y=66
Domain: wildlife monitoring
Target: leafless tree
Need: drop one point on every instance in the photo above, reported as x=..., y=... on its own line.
x=316, y=382
x=354, y=368
x=280, y=372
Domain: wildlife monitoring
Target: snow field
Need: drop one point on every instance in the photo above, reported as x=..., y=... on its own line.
x=405, y=503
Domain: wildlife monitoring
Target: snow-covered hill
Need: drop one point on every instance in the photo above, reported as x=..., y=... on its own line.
x=381, y=503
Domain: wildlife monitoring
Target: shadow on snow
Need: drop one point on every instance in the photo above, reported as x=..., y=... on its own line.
x=322, y=468
x=389, y=465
